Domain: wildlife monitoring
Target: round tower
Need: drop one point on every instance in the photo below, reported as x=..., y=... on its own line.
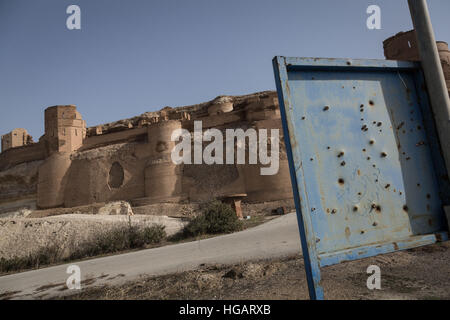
x=52, y=180
x=64, y=134
x=162, y=176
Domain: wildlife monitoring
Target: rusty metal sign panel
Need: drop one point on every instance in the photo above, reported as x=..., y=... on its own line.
x=366, y=169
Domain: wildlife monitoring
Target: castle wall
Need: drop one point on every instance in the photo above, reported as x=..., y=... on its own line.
x=114, y=172
x=19, y=182
x=24, y=154
x=204, y=182
x=97, y=141
x=261, y=188
x=131, y=159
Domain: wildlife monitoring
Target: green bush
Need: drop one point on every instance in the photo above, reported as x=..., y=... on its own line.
x=147, y=235
x=43, y=256
x=217, y=217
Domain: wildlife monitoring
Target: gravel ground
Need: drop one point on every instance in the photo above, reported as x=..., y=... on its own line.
x=420, y=273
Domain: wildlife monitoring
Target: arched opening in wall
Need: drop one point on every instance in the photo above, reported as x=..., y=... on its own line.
x=116, y=176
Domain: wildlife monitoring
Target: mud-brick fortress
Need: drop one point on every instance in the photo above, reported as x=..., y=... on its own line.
x=72, y=165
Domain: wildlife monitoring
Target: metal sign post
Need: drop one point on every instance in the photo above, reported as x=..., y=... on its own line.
x=434, y=76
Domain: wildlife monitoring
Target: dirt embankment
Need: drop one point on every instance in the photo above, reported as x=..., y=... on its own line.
x=22, y=235
x=25, y=232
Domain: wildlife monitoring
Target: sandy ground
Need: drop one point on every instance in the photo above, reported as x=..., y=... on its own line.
x=420, y=273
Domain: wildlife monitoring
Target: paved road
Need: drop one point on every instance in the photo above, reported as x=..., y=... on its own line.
x=274, y=239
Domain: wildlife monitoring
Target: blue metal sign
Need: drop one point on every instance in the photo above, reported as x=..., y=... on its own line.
x=366, y=168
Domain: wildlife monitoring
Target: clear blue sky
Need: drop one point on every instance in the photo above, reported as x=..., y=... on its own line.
x=135, y=56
